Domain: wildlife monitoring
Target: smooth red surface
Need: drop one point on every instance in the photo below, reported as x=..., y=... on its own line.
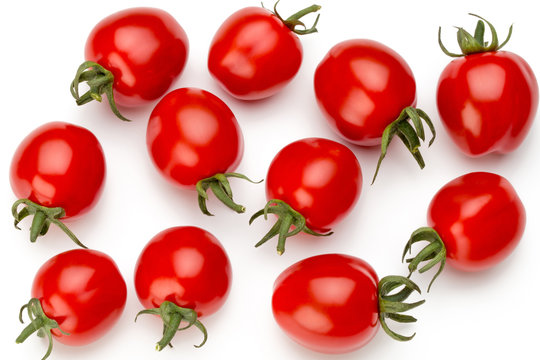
x=480, y=219
x=193, y=135
x=186, y=266
x=83, y=291
x=59, y=165
x=487, y=102
x=319, y=178
x=144, y=48
x=361, y=86
x=253, y=54
x=328, y=303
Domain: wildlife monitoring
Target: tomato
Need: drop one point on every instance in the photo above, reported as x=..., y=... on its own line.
x=77, y=297
x=487, y=99
x=183, y=273
x=333, y=303
x=367, y=93
x=133, y=56
x=312, y=184
x=255, y=52
x=195, y=141
x=476, y=221
x=58, y=171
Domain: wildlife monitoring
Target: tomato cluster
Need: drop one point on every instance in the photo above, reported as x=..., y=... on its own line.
x=331, y=303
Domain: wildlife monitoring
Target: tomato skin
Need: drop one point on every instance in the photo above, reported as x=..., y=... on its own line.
x=319, y=178
x=253, y=54
x=186, y=266
x=83, y=291
x=144, y=48
x=480, y=219
x=193, y=135
x=487, y=102
x=361, y=86
x=328, y=303
x=59, y=165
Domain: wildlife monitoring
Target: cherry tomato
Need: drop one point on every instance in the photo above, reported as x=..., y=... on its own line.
x=77, y=296
x=476, y=221
x=58, y=171
x=333, y=303
x=133, y=56
x=255, y=52
x=365, y=89
x=183, y=273
x=312, y=184
x=195, y=141
x=487, y=99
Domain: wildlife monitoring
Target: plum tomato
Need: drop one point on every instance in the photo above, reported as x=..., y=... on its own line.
x=182, y=274
x=58, y=171
x=132, y=56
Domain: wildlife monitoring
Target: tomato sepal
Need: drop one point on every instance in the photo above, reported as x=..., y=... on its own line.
x=287, y=217
x=434, y=252
x=43, y=217
x=220, y=186
x=409, y=134
x=172, y=316
x=40, y=323
x=100, y=81
x=294, y=20
x=470, y=44
x=392, y=305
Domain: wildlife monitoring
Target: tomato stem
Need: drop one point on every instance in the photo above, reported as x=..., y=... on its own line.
x=434, y=252
x=100, y=81
x=470, y=44
x=392, y=305
x=294, y=20
x=220, y=186
x=409, y=134
x=43, y=217
x=287, y=217
x=172, y=315
x=39, y=322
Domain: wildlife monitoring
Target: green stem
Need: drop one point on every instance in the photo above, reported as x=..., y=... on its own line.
x=43, y=217
x=294, y=20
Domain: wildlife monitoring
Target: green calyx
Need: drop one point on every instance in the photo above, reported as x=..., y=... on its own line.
x=43, y=217
x=409, y=134
x=434, y=252
x=100, y=81
x=219, y=184
x=287, y=217
x=470, y=44
x=294, y=20
x=392, y=305
x=39, y=322
x=172, y=315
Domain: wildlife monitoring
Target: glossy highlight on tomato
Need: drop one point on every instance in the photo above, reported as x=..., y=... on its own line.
x=77, y=296
x=255, y=52
x=133, y=56
x=487, y=98
x=183, y=273
x=57, y=172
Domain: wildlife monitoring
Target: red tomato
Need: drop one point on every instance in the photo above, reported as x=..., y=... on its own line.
x=333, y=303
x=144, y=49
x=255, y=52
x=79, y=295
x=487, y=100
x=185, y=266
x=367, y=93
x=316, y=180
x=58, y=165
x=480, y=219
x=193, y=136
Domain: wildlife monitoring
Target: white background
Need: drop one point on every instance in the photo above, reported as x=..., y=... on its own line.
x=486, y=315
